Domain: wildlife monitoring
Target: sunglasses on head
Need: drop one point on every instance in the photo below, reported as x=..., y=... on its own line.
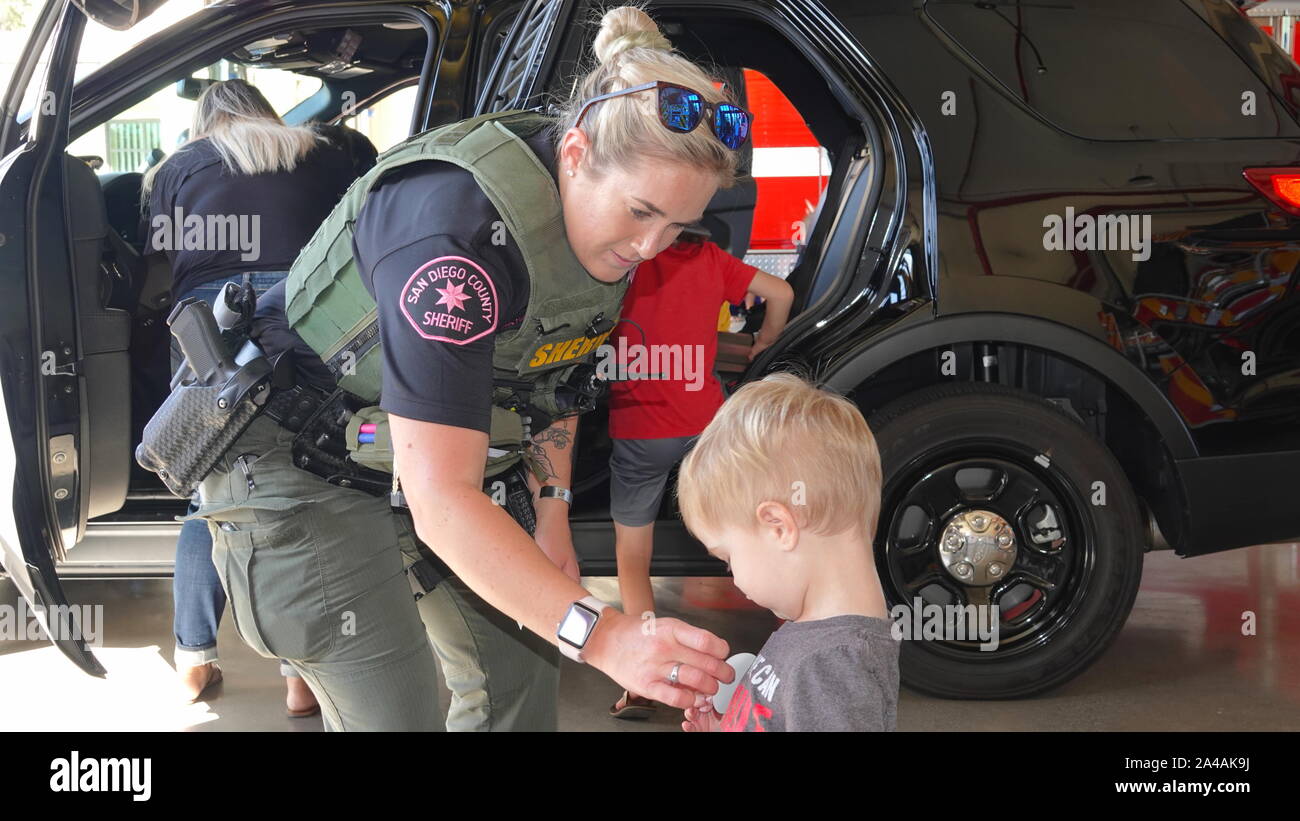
x=682, y=110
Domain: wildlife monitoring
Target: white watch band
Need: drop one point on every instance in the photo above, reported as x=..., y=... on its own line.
x=575, y=653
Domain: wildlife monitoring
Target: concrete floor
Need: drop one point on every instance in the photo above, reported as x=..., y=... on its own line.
x=1181, y=662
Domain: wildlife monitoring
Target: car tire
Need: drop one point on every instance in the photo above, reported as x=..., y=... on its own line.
x=977, y=448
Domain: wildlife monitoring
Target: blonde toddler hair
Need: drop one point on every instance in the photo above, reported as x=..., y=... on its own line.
x=783, y=440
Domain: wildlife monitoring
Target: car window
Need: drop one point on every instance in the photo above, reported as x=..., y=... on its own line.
x=1113, y=69
x=388, y=121
x=154, y=128
x=14, y=30
x=99, y=45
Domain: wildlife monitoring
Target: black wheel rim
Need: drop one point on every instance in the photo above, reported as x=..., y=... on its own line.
x=1041, y=593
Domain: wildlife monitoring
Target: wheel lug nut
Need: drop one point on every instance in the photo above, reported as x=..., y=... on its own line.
x=995, y=569
x=1004, y=540
x=979, y=522
x=963, y=569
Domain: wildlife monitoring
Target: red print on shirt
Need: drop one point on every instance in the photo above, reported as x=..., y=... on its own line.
x=450, y=299
x=741, y=709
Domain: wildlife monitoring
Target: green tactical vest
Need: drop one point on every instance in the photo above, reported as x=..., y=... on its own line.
x=329, y=307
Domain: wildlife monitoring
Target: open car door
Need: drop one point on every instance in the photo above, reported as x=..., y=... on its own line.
x=525, y=59
x=60, y=350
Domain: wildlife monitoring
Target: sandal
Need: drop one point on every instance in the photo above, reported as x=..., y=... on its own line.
x=213, y=678
x=632, y=707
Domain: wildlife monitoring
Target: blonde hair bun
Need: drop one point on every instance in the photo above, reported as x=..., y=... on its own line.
x=625, y=28
x=624, y=132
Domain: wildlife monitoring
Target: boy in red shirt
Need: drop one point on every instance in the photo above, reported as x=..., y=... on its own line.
x=667, y=341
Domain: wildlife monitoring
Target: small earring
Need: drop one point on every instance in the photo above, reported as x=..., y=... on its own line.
x=569, y=172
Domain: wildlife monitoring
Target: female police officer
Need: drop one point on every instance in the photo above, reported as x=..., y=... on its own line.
x=240, y=157
x=482, y=278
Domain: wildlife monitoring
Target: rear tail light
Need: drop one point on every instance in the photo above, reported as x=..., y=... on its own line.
x=1280, y=185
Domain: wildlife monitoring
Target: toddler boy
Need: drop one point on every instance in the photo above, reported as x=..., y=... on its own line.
x=784, y=486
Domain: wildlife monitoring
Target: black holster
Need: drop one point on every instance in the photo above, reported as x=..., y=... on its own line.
x=214, y=399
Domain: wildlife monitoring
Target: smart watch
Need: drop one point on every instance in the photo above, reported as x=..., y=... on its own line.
x=576, y=626
x=556, y=492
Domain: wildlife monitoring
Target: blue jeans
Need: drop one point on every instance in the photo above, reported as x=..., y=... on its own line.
x=197, y=593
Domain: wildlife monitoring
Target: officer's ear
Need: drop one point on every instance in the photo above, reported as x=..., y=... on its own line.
x=573, y=151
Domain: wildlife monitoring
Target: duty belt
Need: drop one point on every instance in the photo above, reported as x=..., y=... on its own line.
x=319, y=419
x=291, y=408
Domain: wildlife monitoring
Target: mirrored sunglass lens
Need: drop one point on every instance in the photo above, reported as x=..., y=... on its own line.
x=680, y=109
x=731, y=124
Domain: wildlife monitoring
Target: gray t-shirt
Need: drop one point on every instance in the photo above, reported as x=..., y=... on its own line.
x=837, y=674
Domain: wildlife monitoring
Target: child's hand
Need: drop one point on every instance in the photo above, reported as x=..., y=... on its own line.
x=702, y=720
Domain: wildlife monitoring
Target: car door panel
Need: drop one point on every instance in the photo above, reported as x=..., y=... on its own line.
x=105, y=365
x=40, y=353
x=531, y=50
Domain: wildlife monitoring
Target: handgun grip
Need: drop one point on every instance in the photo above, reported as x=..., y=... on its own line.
x=200, y=340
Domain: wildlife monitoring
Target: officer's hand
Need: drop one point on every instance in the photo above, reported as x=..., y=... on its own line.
x=555, y=538
x=640, y=655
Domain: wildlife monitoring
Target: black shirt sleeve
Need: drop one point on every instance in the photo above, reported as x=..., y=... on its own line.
x=442, y=293
x=439, y=309
x=272, y=332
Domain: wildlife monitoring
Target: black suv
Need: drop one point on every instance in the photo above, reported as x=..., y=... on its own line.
x=1055, y=264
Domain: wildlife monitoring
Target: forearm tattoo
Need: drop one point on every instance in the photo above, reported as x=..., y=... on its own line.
x=558, y=439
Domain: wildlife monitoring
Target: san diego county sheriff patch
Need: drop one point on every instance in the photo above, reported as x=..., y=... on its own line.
x=450, y=299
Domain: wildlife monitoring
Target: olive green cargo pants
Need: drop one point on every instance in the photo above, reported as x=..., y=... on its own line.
x=316, y=575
